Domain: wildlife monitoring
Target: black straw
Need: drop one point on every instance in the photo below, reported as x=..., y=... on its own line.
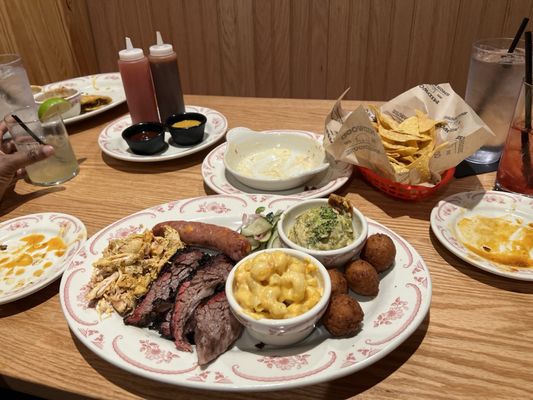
x=524, y=137
x=528, y=80
x=33, y=135
x=518, y=35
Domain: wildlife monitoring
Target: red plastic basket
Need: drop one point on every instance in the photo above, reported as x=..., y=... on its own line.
x=402, y=191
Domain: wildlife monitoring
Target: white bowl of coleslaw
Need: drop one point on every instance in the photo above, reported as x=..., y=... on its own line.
x=278, y=294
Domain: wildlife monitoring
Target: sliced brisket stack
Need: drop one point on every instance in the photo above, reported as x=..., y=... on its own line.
x=183, y=301
x=191, y=294
x=159, y=299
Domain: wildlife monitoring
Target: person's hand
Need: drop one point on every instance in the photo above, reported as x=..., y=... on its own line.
x=12, y=162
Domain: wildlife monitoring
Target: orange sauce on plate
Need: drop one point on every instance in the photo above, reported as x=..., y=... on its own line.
x=499, y=240
x=33, y=251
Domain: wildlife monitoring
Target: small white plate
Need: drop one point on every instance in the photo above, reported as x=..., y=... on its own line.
x=446, y=214
x=25, y=280
x=223, y=182
x=100, y=84
x=111, y=142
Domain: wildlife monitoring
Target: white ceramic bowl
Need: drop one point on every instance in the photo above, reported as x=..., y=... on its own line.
x=282, y=160
x=73, y=96
x=330, y=258
x=282, y=332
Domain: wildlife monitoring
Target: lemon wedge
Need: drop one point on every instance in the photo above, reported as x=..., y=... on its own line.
x=52, y=107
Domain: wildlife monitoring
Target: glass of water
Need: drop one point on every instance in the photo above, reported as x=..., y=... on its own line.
x=15, y=89
x=494, y=80
x=58, y=168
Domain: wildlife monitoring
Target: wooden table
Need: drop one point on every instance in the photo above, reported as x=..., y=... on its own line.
x=476, y=341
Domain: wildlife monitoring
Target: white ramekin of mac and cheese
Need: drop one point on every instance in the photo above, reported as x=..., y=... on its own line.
x=278, y=294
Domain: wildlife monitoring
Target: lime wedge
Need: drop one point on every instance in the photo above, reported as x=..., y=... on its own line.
x=53, y=106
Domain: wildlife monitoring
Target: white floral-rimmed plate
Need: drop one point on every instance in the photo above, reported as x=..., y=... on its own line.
x=223, y=182
x=448, y=212
x=390, y=318
x=109, y=84
x=18, y=280
x=111, y=142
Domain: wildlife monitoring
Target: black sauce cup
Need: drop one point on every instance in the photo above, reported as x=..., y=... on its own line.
x=145, y=146
x=187, y=136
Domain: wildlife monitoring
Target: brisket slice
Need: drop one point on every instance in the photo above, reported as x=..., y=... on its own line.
x=191, y=294
x=165, y=328
x=160, y=297
x=215, y=328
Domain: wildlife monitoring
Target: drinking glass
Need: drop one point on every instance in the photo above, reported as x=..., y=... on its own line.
x=494, y=79
x=53, y=170
x=515, y=172
x=15, y=89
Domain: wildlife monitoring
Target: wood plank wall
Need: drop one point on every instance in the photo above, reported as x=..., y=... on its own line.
x=271, y=48
x=54, y=37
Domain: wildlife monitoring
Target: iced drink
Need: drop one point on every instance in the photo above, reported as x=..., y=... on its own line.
x=15, y=89
x=515, y=172
x=53, y=170
x=494, y=80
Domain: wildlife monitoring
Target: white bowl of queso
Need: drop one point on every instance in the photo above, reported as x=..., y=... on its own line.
x=273, y=161
x=264, y=291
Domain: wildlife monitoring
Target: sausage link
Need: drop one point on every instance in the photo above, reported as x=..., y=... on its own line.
x=229, y=242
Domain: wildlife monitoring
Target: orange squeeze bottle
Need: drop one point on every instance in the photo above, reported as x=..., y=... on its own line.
x=135, y=73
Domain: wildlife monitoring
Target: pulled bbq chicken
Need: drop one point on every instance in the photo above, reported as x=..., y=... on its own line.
x=127, y=268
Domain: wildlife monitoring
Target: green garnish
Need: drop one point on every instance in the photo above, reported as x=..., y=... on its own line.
x=328, y=221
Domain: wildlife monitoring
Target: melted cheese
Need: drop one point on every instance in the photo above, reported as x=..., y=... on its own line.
x=276, y=163
x=501, y=240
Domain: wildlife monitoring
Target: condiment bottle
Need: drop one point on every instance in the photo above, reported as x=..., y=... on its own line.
x=135, y=72
x=166, y=76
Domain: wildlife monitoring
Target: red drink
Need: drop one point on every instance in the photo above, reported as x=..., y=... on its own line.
x=515, y=173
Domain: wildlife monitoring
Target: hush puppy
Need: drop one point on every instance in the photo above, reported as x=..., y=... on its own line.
x=362, y=278
x=338, y=282
x=343, y=315
x=379, y=250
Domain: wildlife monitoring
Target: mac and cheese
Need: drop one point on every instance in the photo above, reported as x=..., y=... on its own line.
x=276, y=285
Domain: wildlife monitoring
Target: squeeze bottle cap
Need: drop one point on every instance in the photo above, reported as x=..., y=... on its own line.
x=160, y=49
x=130, y=53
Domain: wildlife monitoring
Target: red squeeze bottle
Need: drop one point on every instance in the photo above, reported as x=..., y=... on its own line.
x=135, y=72
x=166, y=76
